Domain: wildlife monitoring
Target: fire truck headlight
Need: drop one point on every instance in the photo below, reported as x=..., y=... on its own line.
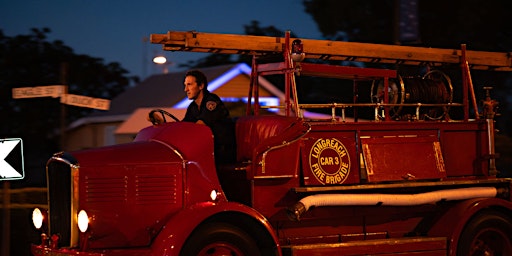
x=83, y=221
x=37, y=218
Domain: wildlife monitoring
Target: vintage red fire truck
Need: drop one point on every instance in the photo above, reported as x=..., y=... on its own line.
x=410, y=180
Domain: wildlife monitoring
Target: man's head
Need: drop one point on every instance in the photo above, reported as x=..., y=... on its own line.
x=195, y=84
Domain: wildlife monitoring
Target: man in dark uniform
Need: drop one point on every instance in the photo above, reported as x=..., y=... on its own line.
x=207, y=108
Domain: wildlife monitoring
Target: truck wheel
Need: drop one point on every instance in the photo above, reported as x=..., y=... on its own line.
x=220, y=239
x=488, y=233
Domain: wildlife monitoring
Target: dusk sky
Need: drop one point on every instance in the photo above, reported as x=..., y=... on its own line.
x=114, y=30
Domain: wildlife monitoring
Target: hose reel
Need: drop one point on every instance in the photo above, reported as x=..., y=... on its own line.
x=434, y=87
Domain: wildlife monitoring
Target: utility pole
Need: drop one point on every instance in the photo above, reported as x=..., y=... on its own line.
x=63, y=80
x=6, y=223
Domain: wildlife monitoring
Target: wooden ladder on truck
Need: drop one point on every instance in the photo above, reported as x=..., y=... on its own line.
x=192, y=41
x=330, y=50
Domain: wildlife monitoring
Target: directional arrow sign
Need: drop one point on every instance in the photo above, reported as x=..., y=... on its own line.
x=11, y=159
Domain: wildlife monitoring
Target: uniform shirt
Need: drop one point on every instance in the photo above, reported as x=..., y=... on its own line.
x=215, y=115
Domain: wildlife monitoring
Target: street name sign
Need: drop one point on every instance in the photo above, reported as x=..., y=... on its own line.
x=38, y=91
x=84, y=101
x=11, y=159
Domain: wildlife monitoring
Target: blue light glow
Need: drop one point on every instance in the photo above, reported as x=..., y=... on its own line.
x=263, y=101
x=241, y=68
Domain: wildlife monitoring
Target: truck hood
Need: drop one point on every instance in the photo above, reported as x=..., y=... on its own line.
x=114, y=184
x=178, y=141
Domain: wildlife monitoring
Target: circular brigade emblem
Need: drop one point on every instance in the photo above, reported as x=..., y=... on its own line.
x=329, y=161
x=211, y=105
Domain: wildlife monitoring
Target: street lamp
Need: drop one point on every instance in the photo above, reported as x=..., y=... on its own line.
x=162, y=60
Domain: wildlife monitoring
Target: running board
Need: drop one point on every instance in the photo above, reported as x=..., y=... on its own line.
x=396, y=246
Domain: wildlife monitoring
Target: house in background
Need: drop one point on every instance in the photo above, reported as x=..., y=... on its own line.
x=128, y=111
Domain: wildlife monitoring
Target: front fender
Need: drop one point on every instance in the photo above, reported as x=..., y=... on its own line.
x=452, y=222
x=179, y=227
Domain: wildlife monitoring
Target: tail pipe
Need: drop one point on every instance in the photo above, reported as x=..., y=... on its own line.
x=296, y=211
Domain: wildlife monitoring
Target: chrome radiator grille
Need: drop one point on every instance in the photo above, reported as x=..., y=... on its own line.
x=59, y=180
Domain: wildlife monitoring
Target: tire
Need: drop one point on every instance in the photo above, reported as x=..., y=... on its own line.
x=220, y=239
x=487, y=233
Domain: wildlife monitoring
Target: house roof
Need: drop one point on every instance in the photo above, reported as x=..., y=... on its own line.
x=166, y=90
x=157, y=90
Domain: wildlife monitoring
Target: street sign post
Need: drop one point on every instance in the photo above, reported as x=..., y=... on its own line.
x=11, y=159
x=84, y=101
x=38, y=91
x=56, y=91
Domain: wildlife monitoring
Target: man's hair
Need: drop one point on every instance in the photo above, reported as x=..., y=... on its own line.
x=200, y=77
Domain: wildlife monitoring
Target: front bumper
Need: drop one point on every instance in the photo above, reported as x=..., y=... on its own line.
x=39, y=250
x=42, y=250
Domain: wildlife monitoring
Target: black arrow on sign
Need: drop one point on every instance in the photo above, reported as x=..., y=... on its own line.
x=11, y=159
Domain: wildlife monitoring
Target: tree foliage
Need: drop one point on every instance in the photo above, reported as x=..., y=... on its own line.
x=361, y=21
x=253, y=29
x=445, y=24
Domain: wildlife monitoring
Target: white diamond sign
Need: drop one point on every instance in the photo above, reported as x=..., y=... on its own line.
x=11, y=159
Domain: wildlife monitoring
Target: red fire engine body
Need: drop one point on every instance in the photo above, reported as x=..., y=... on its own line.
x=409, y=180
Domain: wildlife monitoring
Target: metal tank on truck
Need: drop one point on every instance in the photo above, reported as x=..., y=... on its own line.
x=392, y=172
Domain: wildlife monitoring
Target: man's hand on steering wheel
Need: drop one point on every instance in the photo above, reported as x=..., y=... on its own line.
x=155, y=118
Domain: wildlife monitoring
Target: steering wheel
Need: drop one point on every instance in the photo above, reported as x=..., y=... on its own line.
x=163, y=113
